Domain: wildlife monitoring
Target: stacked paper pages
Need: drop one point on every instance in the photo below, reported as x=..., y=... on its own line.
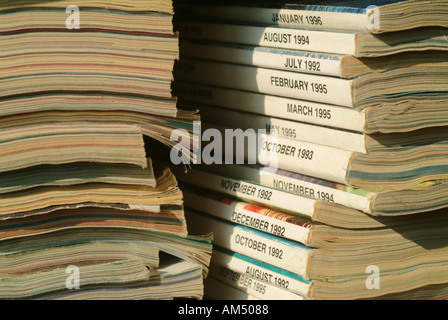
x=85, y=91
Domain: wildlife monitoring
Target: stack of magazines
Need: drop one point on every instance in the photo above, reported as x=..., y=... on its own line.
x=324, y=170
